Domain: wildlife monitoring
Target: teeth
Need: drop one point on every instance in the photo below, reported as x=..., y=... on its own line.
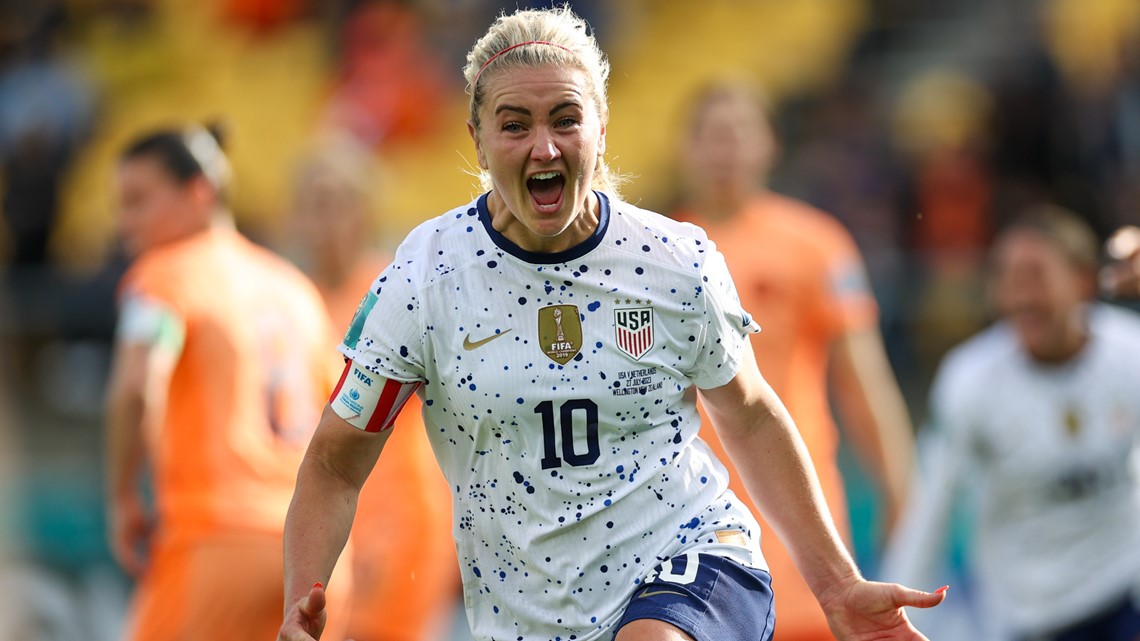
x=546, y=175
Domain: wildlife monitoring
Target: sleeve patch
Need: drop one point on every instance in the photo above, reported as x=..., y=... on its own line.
x=146, y=321
x=356, y=327
x=368, y=401
x=849, y=280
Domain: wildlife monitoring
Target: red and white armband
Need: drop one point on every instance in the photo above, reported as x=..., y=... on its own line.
x=368, y=401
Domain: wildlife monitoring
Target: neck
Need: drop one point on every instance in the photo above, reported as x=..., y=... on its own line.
x=332, y=268
x=221, y=218
x=1069, y=345
x=582, y=225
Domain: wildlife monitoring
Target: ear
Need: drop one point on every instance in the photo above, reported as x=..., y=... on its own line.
x=202, y=192
x=1089, y=284
x=474, y=133
x=602, y=140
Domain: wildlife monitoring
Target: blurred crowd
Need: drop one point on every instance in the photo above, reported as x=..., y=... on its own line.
x=922, y=127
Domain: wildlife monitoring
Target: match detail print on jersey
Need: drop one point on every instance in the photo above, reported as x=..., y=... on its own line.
x=369, y=401
x=633, y=327
x=560, y=332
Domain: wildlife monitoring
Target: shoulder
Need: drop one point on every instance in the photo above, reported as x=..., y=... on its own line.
x=968, y=370
x=439, y=245
x=451, y=225
x=803, y=222
x=1116, y=335
x=657, y=238
x=159, y=271
x=1118, y=324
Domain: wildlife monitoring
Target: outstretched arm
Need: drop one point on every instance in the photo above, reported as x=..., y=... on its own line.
x=768, y=452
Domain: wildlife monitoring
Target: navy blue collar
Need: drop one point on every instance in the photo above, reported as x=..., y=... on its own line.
x=540, y=258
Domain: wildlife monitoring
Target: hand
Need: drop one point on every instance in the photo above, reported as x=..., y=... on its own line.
x=130, y=534
x=305, y=621
x=864, y=610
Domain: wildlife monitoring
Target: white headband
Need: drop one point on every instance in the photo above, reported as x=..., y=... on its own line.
x=204, y=148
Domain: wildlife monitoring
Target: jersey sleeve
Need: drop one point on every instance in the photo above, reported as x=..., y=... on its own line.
x=386, y=335
x=726, y=326
x=848, y=302
x=152, y=309
x=145, y=320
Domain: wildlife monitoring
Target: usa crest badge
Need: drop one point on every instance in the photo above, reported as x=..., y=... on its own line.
x=634, y=330
x=560, y=332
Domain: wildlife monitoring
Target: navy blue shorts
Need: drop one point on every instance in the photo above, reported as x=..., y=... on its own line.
x=710, y=597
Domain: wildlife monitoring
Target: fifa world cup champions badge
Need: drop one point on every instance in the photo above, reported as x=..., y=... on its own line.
x=560, y=332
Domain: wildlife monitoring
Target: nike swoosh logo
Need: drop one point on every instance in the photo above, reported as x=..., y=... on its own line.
x=469, y=345
x=656, y=592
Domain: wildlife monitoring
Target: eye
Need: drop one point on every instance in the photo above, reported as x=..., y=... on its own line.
x=567, y=121
x=512, y=127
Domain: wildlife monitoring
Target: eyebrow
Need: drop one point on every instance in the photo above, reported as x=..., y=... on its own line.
x=526, y=112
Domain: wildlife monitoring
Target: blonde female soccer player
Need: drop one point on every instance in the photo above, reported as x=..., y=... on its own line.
x=558, y=338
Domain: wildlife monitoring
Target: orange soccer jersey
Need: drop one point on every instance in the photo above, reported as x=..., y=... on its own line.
x=405, y=573
x=244, y=397
x=798, y=272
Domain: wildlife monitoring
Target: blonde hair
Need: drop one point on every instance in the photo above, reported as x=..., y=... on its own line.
x=1067, y=230
x=535, y=38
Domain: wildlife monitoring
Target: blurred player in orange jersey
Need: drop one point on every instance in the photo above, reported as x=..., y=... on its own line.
x=798, y=270
x=405, y=573
x=220, y=370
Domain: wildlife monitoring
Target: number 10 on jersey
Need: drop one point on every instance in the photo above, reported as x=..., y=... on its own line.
x=567, y=413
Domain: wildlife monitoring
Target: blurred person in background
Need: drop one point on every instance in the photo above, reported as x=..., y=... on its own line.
x=405, y=575
x=1121, y=277
x=941, y=121
x=47, y=105
x=800, y=273
x=391, y=83
x=220, y=369
x=1040, y=414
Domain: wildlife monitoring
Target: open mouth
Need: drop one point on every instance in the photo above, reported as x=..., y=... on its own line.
x=546, y=190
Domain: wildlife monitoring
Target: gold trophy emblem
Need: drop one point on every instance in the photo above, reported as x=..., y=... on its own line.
x=560, y=332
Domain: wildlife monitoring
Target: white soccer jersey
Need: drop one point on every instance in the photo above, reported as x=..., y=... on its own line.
x=1054, y=452
x=559, y=398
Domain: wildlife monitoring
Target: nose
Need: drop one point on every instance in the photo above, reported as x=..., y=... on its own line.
x=544, y=149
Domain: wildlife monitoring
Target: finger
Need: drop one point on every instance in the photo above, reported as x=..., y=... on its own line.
x=128, y=557
x=312, y=605
x=919, y=599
